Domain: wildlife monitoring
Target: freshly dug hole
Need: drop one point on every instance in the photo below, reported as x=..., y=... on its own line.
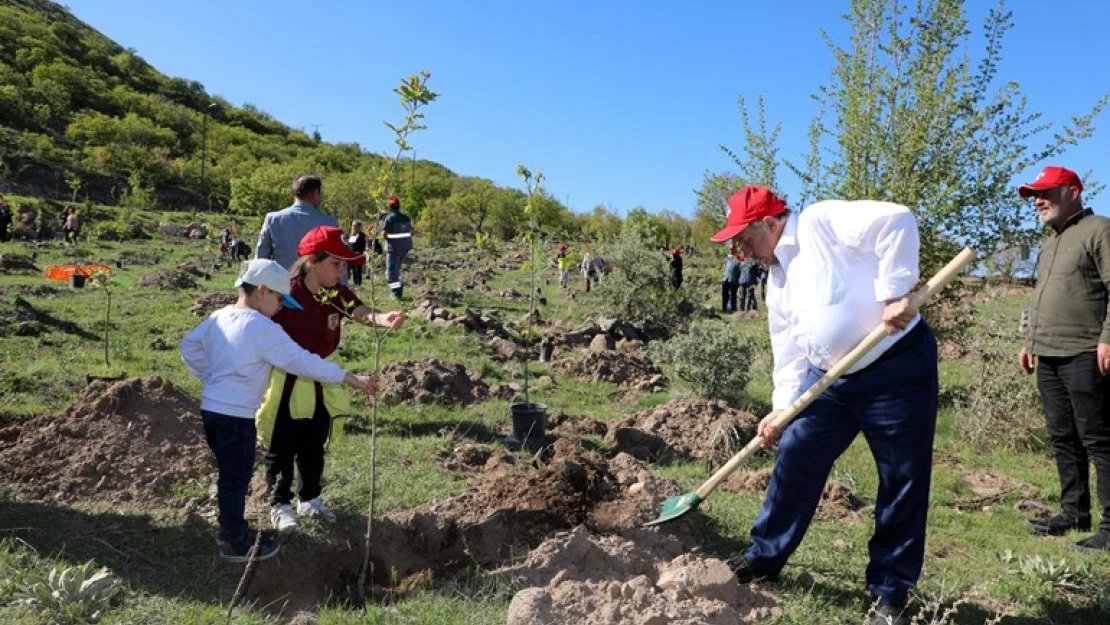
x=500, y=518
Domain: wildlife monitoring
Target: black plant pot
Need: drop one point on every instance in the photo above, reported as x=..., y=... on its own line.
x=77, y=280
x=529, y=424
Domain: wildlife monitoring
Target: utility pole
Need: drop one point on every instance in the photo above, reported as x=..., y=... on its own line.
x=204, y=156
x=316, y=132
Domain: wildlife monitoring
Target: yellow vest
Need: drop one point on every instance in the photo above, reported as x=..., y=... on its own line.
x=302, y=403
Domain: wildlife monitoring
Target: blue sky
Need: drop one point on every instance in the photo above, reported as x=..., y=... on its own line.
x=620, y=103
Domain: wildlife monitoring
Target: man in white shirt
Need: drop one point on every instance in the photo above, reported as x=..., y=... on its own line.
x=837, y=270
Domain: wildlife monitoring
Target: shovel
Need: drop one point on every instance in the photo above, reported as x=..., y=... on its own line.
x=679, y=505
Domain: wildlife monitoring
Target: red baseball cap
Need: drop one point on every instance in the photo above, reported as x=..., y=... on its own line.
x=1050, y=178
x=748, y=205
x=329, y=239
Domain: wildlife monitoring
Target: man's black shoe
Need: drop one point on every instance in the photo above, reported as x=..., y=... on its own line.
x=1058, y=525
x=888, y=615
x=1099, y=542
x=744, y=573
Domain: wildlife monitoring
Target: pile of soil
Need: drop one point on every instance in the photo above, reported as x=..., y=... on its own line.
x=34, y=290
x=430, y=381
x=837, y=500
x=193, y=270
x=130, y=441
x=167, y=280
x=471, y=457
x=989, y=489
x=501, y=516
x=207, y=304
x=684, y=430
x=629, y=370
x=20, y=318
x=17, y=263
x=568, y=425
x=580, y=578
x=131, y=257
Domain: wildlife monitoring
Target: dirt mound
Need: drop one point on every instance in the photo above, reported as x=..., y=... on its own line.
x=470, y=457
x=131, y=257
x=130, y=441
x=837, y=500
x=35, y=290
x=430, y=381
x=565, y=424
x=630, y=370
x=168, y=280
x=207, y=304
x=502, y=516
x=600, y=580
x=683, y=430
x=20, y=318
x=17, y=263
x=989, y=488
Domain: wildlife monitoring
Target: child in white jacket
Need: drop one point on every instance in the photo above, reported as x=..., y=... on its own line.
x=231, y=352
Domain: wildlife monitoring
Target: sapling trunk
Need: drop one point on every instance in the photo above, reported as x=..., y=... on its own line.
x=107, y=319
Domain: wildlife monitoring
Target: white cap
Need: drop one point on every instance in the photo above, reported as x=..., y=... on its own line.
x=267, y=273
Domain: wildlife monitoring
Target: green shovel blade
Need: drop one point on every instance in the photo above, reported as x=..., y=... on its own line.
x=676, y=506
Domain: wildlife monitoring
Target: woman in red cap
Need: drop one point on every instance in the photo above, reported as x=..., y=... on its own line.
x=676, y=268
x=298, y=416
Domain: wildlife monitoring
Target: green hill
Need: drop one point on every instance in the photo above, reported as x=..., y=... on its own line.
x=80, y=115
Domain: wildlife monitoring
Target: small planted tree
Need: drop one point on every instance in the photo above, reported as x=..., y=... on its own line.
x=103, y=280
x=534, y=186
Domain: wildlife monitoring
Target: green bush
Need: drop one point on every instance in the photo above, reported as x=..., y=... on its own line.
x=709, y=356
x=638, y=289
x=1002, y=408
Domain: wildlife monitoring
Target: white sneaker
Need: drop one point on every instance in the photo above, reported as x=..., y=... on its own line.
x=282, y=517
x=314, y=507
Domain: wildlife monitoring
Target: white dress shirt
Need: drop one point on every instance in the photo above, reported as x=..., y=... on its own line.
x=838, y=263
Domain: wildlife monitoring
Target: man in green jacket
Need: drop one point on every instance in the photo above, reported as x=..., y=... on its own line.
x=1067, y=343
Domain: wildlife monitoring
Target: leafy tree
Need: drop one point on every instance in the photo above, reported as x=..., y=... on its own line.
x=473, y=198
x=267, y=189
x=601, y=225
x=644, y=227
x=910, y=118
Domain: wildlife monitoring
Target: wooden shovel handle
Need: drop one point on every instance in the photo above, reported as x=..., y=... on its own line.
x=922, y=295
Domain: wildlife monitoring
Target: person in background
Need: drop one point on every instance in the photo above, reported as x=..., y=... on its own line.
x=232, y=353
x=1067, y=344
x=589, y=269
x=749, y=280
x=67, y=233
x=676, y=268
x=299, y=417
x=283, y=230
x=397, y=230
x=5, y=221
x=730, y=280
x=357, y=242
x=72, y=227
x=563, y=263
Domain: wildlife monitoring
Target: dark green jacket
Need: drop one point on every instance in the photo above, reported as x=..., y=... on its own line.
x=1069, y=311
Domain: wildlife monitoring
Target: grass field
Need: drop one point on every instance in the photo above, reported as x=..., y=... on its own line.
x=980, y=558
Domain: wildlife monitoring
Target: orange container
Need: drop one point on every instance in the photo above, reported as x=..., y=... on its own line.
x=63, y=272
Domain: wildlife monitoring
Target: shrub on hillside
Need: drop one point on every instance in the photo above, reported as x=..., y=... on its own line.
x=638, y=288
x=709, y=356
x=1002, y=407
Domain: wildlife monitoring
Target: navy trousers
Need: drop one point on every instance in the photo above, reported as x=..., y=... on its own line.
x=231, y=440
x=893, y=402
